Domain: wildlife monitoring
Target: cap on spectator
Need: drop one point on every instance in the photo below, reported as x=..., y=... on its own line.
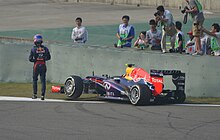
x=190, y=33
x=152, y=22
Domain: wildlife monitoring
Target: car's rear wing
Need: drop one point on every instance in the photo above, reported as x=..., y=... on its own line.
x=178, y=78
x=164, y=72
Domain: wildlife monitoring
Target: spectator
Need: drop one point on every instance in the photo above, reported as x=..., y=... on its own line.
x=195, y=10
x=154, y=36
x=190, y=45
x=180, y=39
x=125, y=33
x=205, y=40
x=165, y=17
x=141, y=42
x=215, y=38
x=39, y=55
x=79, y=33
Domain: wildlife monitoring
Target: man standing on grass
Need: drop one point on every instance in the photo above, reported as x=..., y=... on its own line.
x=215, y=38
x=79, y=33
x=125, y=33
x=195, y=10
x=39, y=55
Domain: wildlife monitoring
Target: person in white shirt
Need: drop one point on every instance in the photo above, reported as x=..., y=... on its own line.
x=165, y=17
x=79, y=33
x=154, y=36
x=141, y=41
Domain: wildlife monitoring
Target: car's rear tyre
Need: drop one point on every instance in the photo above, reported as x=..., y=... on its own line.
x=73, y=87
x=140, y=95
x=179, y=97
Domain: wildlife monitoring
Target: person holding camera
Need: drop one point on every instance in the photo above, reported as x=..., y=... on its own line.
x=195, y=10
x=165, y=18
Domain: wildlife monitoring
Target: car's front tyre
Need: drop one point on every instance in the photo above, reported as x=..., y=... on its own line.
x=73, y=87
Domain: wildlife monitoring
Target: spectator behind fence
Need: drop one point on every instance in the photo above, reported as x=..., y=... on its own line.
x=141, y=42
x=180, y=39
x=125, y=33
x=195, y=10
x=165, y=17
x=190, y=45
x=154, y=36
x=79, y=33
x=214, y=38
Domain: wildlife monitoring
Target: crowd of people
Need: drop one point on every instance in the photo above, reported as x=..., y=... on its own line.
x=201, y=40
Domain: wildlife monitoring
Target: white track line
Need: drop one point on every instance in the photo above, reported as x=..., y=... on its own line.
x=25, y=99
x=198, y=105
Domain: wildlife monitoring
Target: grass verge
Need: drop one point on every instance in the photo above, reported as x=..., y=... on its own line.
x=25, y=90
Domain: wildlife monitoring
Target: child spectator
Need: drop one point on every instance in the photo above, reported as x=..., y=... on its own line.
x=141, y=42
x=180, y=39
x=154, y=36
x=190, y=45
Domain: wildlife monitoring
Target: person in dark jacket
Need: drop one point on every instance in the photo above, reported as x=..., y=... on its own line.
x=39, y=55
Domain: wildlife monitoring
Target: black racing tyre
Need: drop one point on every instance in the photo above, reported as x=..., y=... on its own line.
x=179, y=97
x=73, y=87
x=140, y=94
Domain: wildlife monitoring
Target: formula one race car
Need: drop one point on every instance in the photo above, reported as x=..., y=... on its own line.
x=136, y=85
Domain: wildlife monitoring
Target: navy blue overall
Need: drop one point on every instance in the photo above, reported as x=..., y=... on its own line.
x=39, y=55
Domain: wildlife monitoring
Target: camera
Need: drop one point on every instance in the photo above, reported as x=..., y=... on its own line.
x=184, y=10
x=157, y=14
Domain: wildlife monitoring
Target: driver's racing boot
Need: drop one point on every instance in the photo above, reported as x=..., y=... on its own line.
x=42, y=97
x=34, y=96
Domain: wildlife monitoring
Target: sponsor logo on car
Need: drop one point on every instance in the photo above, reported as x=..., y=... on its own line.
x=156, y=80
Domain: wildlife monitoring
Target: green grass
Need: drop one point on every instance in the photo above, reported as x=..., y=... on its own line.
x=203, y=100
x=25, y=90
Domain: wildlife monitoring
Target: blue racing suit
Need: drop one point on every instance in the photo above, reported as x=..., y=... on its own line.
x=39, y=55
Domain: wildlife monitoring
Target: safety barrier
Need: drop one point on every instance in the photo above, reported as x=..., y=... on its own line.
x=202, y=72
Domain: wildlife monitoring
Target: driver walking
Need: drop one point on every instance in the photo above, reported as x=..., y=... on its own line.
x=39, y=55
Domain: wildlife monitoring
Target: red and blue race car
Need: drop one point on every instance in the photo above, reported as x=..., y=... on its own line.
x=136, y=85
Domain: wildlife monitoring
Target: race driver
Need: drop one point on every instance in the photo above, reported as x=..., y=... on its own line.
x=39, y=55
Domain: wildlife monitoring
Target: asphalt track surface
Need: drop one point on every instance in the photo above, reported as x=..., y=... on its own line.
x=51, y=120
